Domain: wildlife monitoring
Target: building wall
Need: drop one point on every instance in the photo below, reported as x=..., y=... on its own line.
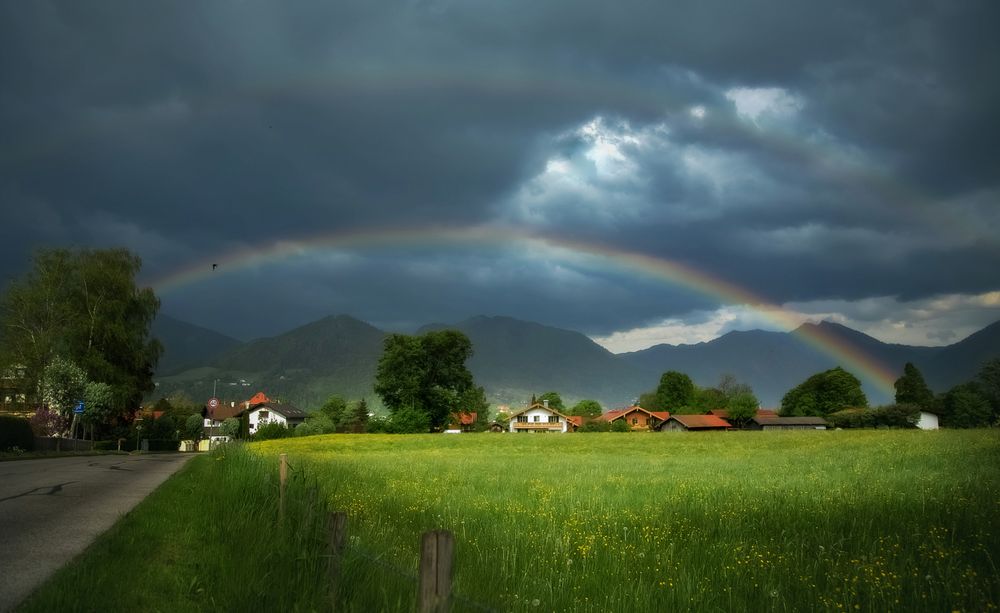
x=927, y=421
x=537, y=417
x=644, y=421
x=272, y=417
x=673, y=426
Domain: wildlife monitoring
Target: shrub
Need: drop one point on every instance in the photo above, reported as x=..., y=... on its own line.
x=595, y=425
x=48, y=422
x=408, y=421
x=109, y=445
x=230, y=427
x=15, y=432
x=620, y=425
x=271, y=429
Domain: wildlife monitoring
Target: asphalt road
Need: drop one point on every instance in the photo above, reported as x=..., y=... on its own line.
x=52, y=509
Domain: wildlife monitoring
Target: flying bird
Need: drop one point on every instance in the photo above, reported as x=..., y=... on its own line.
x=214, y=266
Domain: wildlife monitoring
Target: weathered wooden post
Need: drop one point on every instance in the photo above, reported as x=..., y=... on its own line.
x=337, y=528
x=283, y=478
x=436, y=550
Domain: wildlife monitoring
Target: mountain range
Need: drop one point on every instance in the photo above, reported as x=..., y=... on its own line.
x=514, y=359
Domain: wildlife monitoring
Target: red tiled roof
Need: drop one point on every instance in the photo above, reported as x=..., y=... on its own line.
x=576, y=420
x=611, y=415
x=258, y=398
x=223, y=411
x=661, y=415
x=695, y=422
x=465, y=418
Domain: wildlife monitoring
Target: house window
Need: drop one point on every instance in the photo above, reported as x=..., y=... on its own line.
x=635, y=421
x=522, y=418
x=262, y=416
x=537, y=418
x=553, y=419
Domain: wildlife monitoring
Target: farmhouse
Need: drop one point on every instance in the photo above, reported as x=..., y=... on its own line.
x=216, y=412
x=261, y=413
x=637, y=417
x=540, y=418
x=462, y=422
x=676, y=423
x=259, y=410
x=788, y=423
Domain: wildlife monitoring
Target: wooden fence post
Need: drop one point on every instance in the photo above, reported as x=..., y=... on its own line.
x=436, y=550
x=337, y=529
x=283, y=478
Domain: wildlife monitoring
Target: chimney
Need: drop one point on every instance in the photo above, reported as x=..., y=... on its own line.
x=545, y=403
x=232, y=404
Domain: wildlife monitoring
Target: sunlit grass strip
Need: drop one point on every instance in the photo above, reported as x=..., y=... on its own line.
x=876, y=520
x=207, y=539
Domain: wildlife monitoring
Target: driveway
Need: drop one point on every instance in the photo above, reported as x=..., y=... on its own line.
x=52, y=509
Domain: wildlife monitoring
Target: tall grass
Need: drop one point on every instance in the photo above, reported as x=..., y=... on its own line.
x=783, y=521
x=209, y=539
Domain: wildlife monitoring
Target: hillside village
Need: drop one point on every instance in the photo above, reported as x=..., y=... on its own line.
x=535, y=417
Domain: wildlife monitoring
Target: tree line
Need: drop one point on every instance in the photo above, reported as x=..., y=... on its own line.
x=76, y=329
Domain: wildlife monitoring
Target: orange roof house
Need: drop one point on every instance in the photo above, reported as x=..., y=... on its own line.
x=637, y=417
x=694, y=422
x=464, y=421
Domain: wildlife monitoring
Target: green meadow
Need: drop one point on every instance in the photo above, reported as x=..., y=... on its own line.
x=796, y=521
x=775, y=521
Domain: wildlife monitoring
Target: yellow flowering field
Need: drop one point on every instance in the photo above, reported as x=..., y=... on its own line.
x=763, y=521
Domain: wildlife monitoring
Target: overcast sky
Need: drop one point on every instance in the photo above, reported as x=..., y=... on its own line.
x=839, y=159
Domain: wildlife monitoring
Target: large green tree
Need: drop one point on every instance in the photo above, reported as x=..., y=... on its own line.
x=555, y=401
x=587, y=408
x=742, y=407
x=989, y=385
x=912, y=389
x=675, y=393
x=85, y=306
x=824, y=393
x=964, y=406
x=426, y=374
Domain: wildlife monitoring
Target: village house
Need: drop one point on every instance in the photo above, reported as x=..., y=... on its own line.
x=462, y=422
x=636, y=417
x=677, y=423
x=262, y=410
x=216, y=412
x=259, y=410
x=539, y=417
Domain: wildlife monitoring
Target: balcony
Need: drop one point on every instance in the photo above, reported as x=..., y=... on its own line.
x=537, y=425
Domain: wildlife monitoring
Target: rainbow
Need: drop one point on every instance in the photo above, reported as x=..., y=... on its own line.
x=675, y=273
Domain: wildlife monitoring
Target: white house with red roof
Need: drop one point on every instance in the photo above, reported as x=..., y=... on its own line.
x=259, y=410
x=262, y=410
x=539, y=417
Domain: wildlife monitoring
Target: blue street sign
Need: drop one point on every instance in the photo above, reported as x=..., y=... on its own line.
x=78, y=408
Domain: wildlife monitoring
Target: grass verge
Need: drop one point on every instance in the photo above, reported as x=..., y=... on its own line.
x=207, y=540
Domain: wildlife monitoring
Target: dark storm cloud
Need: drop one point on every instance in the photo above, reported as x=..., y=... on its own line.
x=189, y=130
